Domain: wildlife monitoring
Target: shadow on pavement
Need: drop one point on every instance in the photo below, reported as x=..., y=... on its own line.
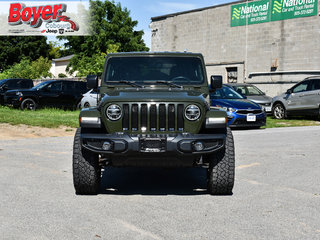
x=154, y=181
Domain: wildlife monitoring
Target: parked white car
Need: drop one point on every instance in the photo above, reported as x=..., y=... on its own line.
x=90, y=99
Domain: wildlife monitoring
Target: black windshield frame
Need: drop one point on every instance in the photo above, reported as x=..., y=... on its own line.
x=146, y=70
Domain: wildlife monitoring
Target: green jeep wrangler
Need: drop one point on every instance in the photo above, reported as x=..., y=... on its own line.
x=154, y=111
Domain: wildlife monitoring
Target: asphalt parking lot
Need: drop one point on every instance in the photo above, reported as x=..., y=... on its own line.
x=276, y=194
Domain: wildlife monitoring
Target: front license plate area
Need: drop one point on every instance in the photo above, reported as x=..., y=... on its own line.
x=251, y=118
x=268, y=109
x=153, y=144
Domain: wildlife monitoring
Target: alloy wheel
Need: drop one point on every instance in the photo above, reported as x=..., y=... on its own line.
x=279, y=112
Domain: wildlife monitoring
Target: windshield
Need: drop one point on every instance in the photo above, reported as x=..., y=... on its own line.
x=225, y=93
x=248, y=90
x=148, y=70
x=40, y=85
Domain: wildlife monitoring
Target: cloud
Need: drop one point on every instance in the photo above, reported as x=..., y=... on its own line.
x=171, y=7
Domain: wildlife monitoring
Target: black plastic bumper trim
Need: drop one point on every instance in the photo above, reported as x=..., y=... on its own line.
x=130, y=145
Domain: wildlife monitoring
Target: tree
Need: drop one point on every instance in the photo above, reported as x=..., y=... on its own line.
x=85, y=65
x=110, y=24
x=55, y=50
x=15, y=48
x=27, y=69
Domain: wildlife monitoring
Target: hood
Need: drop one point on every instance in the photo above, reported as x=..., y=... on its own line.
x=280, y=97
x=154, y=96
x=235, y=103
x=260, y=99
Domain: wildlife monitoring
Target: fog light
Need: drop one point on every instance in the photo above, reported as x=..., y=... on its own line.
x=106, y=146
x=198, y=146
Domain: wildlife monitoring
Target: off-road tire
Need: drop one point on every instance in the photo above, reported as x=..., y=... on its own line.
x=221, y=171
x=28, y=104
x=279, y=111
x=86, y=169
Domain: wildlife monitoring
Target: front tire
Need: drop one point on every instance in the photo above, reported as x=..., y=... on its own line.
x=86, y=169
x=221, y=171
x=279, y=112
x=28, y=104
x=86, y=105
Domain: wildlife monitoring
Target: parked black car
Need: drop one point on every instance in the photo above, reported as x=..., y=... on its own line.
x=13, y=83
x=53, y=93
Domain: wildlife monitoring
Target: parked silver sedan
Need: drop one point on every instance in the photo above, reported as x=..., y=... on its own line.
x=90, y=99
x=254, y=94
x=303, y=99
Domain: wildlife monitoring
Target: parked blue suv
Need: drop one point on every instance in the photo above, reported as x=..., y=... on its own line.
x=241, y=111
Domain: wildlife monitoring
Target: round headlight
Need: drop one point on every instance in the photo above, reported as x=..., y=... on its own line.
x=192, y=112
x=113, y=112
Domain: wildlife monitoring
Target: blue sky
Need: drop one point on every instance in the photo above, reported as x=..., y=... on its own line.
x=143, y=10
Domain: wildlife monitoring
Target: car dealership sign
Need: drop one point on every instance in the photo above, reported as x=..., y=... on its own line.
x=271, y=10
x=44, y=18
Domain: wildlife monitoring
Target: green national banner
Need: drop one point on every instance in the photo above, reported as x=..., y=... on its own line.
x=250, y=13
x=271, y=10
x=286, y=9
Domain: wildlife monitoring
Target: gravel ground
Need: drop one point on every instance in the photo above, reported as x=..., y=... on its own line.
x=276, y=193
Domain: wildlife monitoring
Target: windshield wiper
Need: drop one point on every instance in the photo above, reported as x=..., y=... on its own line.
x=171, y=84
x=127, y=82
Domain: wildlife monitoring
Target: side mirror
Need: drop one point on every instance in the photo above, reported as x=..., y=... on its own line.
x=289, y=91
x=216, y=81
x=92, y=81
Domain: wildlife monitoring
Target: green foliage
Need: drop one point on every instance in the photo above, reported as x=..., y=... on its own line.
x=111, y=25
x=26, y=69
x=112, y=30
x=55, y=50
x=13, y=49
x=85, y=65
x=62, y=75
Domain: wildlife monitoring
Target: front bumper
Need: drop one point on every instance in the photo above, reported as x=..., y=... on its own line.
x=160, y=145
x=240, y=120
x=266, y=107
x=12, y=100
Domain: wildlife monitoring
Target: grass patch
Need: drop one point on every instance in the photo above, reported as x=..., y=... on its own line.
x=292, y=122
x=50, y=118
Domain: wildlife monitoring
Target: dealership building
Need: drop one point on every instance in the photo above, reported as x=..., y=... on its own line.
x=270, y=43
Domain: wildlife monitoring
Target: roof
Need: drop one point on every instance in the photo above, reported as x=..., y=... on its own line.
x=66, y=58
x=158, y=18
x=154, y=53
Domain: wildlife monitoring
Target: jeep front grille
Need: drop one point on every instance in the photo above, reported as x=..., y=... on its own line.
x=149, y=117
